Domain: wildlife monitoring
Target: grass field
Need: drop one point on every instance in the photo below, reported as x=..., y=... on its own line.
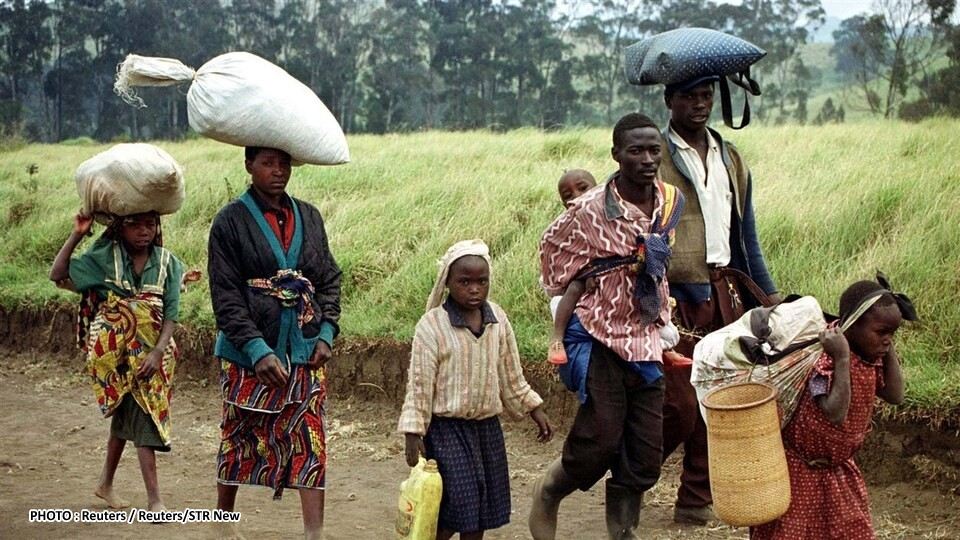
x=834, y=204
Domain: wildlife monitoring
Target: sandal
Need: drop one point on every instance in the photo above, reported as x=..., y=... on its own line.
x=557, y=355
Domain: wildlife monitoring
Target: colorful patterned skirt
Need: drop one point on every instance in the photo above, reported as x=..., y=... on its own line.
x=272, y=437
x=121, y=335
x=472, y=460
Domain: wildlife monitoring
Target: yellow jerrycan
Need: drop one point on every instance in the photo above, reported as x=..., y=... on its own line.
x=419, y=505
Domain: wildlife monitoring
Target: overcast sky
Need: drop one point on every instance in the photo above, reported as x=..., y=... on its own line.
x=844, y=9
x=841, y=9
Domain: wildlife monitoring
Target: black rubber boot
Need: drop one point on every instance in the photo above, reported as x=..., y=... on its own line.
x=548, y=491
x=623, y=511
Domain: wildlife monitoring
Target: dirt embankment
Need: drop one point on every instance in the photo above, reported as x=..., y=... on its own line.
x=375, y=370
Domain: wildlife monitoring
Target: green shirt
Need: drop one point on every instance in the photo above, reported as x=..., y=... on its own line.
x=107, y=267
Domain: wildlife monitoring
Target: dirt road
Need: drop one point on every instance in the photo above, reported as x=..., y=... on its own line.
x=52, y=447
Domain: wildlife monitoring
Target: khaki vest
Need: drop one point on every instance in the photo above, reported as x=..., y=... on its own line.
x=689, y=261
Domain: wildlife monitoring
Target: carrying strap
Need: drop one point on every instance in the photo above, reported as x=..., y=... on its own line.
x=665, y=224
x=651, y=257
x=717, y=274
x=750, y=86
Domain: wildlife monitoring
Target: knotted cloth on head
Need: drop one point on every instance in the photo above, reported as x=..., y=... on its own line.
x=904, y=304
x=460, y=249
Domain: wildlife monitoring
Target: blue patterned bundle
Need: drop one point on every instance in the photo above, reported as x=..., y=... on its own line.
x=686, y=53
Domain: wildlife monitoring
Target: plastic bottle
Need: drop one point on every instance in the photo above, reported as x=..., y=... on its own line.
x=419, y=505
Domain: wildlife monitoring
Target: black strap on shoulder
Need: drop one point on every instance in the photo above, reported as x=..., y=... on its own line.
x=750, y=86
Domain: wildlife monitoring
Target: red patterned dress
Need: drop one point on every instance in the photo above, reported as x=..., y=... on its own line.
x=828, y=494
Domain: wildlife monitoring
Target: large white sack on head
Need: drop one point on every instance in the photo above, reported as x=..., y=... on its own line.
x=239, y=98
x=130, y=179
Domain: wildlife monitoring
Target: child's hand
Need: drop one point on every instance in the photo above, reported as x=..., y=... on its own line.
x=192, y=275
x=590, y=285
x=414, y=448
x=82, y=223
x=835, y=344
x=150, y=365
x=540, y=418
x=891, y=356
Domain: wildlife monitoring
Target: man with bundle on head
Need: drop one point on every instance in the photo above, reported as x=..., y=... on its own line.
x=619, y=235
x=717, y=272
x=275, y=288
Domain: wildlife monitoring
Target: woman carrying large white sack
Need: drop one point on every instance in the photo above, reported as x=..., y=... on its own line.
x=274, y=284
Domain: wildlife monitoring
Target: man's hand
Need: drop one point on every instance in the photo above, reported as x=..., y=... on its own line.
x=414, y=448
x=271, y=372
x=540, y=418
x=150, y=365
x=321, y=355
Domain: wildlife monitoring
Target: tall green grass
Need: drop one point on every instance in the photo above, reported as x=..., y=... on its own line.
x=834, y=204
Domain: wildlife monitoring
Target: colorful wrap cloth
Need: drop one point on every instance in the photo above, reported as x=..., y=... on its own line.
x=291, y=288
x=121, y=335
x=273, y=437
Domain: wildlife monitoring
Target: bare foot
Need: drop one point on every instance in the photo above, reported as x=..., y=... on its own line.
x=227, y=531
x=113, y=501
x=156, y=506
x=557, y=355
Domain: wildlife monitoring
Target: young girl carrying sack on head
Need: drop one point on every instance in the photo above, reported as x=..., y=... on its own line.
x=131, y=289
x=464, y=371
x=828, y=497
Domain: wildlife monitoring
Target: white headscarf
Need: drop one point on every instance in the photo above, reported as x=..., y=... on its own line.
x=460, y=249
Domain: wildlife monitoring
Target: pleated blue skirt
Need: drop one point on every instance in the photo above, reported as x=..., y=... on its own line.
x=472, y=460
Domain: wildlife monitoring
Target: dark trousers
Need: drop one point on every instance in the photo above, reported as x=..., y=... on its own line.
x=683, y=424
x=682, y=421
x=731, y=294
x=619, y=428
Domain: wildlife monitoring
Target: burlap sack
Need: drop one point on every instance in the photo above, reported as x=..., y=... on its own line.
x=130, y=179
x=241, y=99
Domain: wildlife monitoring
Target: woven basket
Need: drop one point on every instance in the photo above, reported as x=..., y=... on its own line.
x=749, y=479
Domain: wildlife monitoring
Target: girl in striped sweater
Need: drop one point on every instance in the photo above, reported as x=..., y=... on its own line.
x=464, y=372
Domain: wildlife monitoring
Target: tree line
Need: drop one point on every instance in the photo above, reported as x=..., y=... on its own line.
x=401, y=65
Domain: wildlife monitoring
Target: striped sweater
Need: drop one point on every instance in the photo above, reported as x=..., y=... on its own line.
x=455, y=374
